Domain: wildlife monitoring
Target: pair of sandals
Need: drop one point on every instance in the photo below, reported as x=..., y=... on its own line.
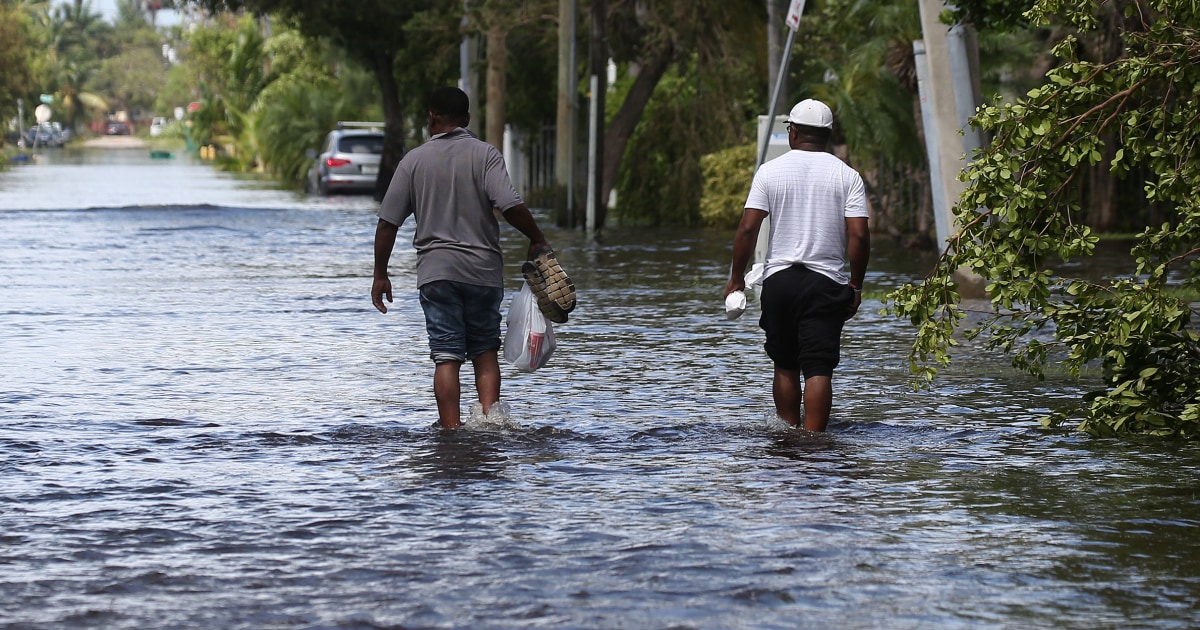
x=551, y=286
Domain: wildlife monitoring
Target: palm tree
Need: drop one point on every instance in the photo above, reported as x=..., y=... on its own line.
x=78, y=40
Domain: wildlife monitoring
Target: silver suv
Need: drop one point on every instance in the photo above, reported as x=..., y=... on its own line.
x=349, y=160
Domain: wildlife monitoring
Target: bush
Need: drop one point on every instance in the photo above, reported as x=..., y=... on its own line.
x=727, y=174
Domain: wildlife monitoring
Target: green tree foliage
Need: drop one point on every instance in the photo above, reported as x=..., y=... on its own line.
x=230, y=69
x=661, y=182
x=295, y=119
x=78, y=40
x=131, y=79
x=990, y=14
x=696, y=84
x=384, y=36
x=306, y=101
x=727, y=174
x=134, y=73
x=1020, y=218
x=869, y=80
x=267, y=100
x=16, y=76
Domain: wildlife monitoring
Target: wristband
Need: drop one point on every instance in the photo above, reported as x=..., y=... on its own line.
x=857, y=289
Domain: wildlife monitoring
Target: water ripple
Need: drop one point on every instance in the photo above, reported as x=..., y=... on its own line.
x=206, y=425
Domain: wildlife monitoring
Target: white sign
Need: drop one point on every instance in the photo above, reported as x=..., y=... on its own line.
x=793, y=14
x=42, y=113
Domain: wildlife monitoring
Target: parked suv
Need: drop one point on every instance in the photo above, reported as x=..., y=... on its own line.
x=349, y=160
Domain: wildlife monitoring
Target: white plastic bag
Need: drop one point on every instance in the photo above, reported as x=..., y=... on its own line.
x=735, y=305
x=529, y=340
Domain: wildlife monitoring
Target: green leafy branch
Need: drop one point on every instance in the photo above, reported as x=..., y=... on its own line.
x=1020, y=216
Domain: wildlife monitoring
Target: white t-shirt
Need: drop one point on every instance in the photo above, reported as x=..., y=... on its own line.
x=808, y=196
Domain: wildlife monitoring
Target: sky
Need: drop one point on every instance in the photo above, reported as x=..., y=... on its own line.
x=108, y=8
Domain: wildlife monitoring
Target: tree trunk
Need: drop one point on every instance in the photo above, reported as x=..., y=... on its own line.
x=564, y=129
x=393, y=122
x=621, y=128
x=924, y=210
x=497, y=66
x=1102, y=189
x=598, y=54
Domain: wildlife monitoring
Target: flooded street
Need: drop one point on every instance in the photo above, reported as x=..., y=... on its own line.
x=205, y=424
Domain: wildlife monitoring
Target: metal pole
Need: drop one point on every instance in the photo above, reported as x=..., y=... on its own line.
x=764, y=232
x=21, y=123
x=959, y=41
x=941, y=216
x=464, y=56
x=593, y=86
x=783, y=69
x=572, y=95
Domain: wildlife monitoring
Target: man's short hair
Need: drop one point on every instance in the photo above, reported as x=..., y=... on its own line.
x=817, y=134
x=450, y=102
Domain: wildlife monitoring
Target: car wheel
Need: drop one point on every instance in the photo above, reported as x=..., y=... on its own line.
x=322, y=186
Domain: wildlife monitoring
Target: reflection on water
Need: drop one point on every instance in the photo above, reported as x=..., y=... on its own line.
x=207, y=425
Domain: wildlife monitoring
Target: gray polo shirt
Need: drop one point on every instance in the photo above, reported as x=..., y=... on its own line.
x=451, y=184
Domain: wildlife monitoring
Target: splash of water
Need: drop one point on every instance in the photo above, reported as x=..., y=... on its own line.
x=498, y=418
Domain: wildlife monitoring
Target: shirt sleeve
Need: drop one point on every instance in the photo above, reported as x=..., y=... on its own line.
x=856, y=197
x=496, y=182
x=757, y=199
x=397, y=204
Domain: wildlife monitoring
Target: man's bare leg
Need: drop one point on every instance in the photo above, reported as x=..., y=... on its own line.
x=487, y=379
x=788, y=396
x=447, y=391
x=818, y=401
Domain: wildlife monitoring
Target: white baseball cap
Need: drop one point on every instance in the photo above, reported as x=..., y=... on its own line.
x=811, y=113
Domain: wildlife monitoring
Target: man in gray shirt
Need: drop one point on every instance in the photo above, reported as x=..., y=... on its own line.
x=451, y=185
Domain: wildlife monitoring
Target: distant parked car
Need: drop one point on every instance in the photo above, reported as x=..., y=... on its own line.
x=349, y=160
x=117, y=128
x=157, y=126
x=44, y=135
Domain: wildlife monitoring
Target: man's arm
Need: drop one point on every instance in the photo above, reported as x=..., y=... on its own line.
x=381, y=285
x=519, y=217
x=744, y=241
x=858, y=250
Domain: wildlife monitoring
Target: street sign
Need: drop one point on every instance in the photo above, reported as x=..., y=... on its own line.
x=42, y=113
x=793, y=14
x=47, y=98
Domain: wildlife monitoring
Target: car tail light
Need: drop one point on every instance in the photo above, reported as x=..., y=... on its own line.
x=335, y=162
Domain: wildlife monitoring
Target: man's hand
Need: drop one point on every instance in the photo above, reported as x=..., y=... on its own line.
x=852, y=309
x=381, y=288
x=536, y=247
x=385, y=240
x=736, y=283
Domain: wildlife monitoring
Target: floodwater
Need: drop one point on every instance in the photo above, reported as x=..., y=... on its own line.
x=205, y=424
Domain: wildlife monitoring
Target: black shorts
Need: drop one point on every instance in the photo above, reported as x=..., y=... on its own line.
x=802, y=313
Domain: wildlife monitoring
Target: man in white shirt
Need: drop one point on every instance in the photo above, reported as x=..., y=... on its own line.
x=818, y=222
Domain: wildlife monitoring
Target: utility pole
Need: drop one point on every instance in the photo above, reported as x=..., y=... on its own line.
x=564, y=132
x=776, y=10
x=468, y=53
x=598, y=84
x=21, y=123
x=949, y=96
x=768, y=123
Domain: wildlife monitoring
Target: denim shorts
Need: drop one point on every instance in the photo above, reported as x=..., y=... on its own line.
x=802, y=313
x=463, y=320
